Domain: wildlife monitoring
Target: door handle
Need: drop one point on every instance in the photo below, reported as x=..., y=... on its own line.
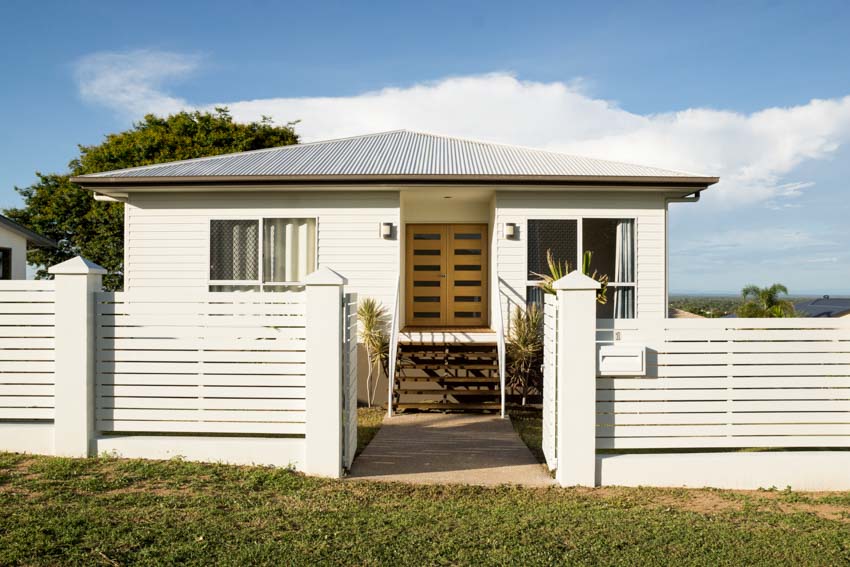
x=442, y=275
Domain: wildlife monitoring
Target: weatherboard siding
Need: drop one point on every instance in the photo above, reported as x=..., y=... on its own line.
x=647, y=208
x=18, y=245
x=167, y=235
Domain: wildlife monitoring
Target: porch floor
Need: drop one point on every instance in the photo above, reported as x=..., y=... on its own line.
x=449, y=449
x=443, y=335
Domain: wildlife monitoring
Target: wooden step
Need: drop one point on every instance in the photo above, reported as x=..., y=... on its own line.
x=453, y=392
x=450, y=406
x=449, y=366
x=452, y=379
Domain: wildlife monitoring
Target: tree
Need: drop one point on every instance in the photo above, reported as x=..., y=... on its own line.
x=765, y=302
x=69, y=215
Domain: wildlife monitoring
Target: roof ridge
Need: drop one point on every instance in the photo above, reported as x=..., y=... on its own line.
x=243, y=152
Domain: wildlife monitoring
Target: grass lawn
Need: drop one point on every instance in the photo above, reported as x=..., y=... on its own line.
x=115, y=512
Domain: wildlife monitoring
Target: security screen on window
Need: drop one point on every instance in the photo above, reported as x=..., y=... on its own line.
x=560, y=237
x=241, y=261
x=5, y=263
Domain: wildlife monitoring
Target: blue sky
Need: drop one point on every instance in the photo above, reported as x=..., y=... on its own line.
x=755, y=92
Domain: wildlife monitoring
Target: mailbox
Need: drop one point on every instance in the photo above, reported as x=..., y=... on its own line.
x=622, y=360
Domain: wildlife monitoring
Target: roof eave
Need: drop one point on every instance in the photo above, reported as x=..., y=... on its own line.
x=30, y=236
x=99, y=183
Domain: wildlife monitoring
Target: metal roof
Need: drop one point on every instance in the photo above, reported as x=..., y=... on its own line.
x=825, y=306
x=32, y=237
x=394, y=155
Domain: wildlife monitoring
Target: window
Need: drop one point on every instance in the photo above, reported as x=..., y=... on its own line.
x=242, y=260
x=611, y=242
x=5, y=263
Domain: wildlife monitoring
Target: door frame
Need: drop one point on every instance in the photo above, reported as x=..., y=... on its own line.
x=445, y=292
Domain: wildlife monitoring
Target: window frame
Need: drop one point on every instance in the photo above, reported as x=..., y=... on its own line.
x=580, y=246
x=260, y=248
x=7, y=266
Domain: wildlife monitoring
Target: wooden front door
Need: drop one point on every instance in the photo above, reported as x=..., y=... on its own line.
x=446, y=279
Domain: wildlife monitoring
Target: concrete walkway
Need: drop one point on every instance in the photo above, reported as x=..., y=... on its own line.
x=435, y=448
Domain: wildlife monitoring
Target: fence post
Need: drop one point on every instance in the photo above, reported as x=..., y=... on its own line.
x=576, y=391
x=324, y=437
x=77, y=280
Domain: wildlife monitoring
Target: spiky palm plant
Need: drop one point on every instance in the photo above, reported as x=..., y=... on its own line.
x=373, y=320
x=765, y=302
x=557, y=270
x=524, y=352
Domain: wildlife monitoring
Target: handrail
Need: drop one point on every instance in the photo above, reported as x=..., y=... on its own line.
x=500, y=339
x=393, y=354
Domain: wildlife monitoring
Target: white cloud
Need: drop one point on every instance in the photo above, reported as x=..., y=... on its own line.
x=132, y=82
x=752, y=153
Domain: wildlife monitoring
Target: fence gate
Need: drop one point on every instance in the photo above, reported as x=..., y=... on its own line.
x=349, y=378
x=550, y=380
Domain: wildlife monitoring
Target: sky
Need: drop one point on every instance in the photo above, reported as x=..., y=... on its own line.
x=757, y=93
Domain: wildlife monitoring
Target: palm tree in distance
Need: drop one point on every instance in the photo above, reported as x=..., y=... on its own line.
x=765, y=302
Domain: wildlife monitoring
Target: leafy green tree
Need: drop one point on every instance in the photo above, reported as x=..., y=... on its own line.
x=62, y=211
x=765, y=302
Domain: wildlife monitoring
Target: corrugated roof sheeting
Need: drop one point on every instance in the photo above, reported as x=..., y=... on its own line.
x=397, y=153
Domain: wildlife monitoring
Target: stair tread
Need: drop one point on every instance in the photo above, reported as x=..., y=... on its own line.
x=452, y=379
x=450, y=405
x=453, y=392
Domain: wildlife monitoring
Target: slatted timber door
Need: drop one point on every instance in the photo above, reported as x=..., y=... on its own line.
x=446, y=282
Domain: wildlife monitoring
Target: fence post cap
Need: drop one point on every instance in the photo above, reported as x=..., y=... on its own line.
x=325, y=276
x=77, y=266
x=576, y=280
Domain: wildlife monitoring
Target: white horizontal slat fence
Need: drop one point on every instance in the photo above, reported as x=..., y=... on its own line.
x=550, y=380
x=349, y=378
x=205, y=363
x=729, y=383
x=27, y=359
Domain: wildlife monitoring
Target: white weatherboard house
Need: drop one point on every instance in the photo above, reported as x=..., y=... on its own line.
x=14, y=240
x=442, y=231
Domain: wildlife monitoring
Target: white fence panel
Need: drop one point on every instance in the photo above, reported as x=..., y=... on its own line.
x=207, y=363
x=27, y=317
x=349, y=378
x=729, y=383
x=550, y=380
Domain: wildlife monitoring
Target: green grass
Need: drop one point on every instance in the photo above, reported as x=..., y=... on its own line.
x=107, y=511
x=528, y=423
x=368, y=423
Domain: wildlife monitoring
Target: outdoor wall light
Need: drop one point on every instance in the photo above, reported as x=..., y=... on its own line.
x=386, y=229
x=510, y=230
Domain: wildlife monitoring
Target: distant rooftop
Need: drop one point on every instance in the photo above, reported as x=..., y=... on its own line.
x=396, y=155
x=32, y=237
x=825, y=306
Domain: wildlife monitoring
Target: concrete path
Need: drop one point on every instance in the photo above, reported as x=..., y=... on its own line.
x=435, y=448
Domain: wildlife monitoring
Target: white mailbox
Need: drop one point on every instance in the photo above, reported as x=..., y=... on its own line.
x=622, y=360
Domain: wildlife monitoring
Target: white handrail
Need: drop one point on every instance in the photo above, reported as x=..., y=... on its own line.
x=500, y=338
x=393, y=347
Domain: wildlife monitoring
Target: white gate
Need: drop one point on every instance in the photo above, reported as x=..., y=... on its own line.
x=550, y=380
x=349, y=378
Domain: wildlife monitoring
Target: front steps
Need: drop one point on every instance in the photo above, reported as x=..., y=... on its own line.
x=447, y=371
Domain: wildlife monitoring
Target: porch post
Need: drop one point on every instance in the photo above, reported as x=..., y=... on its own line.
x=576, y=422
x=324, y=438
x=77, y=280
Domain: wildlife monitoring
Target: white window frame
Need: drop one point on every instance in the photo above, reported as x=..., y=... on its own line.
x=261, y=250
x=580, y=247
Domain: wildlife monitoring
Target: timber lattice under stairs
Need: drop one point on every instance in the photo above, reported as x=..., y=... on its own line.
x=447, y=370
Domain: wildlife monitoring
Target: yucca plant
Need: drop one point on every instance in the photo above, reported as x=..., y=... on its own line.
x=524, y=351
x=557, y=270
x=373, y=320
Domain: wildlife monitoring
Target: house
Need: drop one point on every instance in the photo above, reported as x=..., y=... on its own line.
x=825, y=306
x=449, y=234
x=14, y=240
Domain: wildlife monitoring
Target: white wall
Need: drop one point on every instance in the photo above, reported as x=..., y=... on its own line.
x=18, y=244
x=167, y=235
x=646, y=207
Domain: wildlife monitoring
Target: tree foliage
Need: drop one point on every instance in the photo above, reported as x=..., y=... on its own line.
x=69, y=215
x=765, y=302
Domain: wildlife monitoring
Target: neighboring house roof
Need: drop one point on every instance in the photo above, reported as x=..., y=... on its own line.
x=32, y=237
x=673, y=313
x=400, y=155
x=825, y=306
